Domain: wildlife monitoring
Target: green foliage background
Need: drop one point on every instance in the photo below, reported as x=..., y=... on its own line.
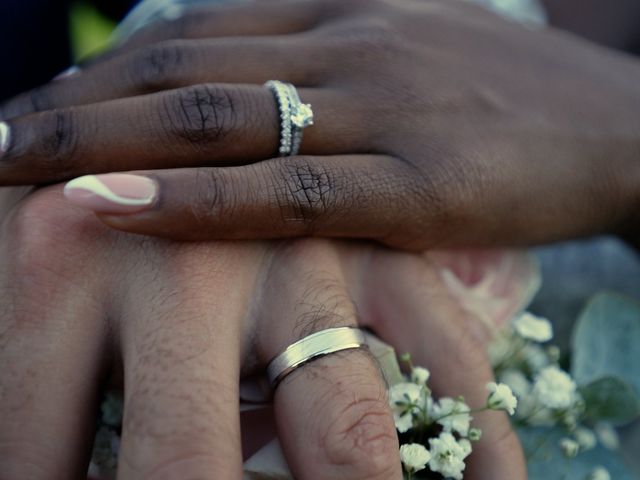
x=89, y=30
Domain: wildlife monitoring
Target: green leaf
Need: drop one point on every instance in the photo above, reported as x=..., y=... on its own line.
x=545, y=460
x=610, y=399
x=606, y=341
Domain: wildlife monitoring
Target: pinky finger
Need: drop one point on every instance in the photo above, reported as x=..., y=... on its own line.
x=355, y=196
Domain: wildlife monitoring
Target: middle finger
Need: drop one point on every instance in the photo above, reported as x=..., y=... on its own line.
x=181, y=347
x=298, y=59
x=333, y=415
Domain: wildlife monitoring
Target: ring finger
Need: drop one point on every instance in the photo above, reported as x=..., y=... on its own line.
x=332, y=414
x=211, y=124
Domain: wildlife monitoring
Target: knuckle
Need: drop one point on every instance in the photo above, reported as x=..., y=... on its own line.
x=58, y=145
x=194, y=22
x=201, y=114
x=156, y=67
x=374, y=39
x=212, y=197
x=36, y=266
x=433, y=202
x=33, y=231
x=40, y=99
x=305, y=193
x=363, y=440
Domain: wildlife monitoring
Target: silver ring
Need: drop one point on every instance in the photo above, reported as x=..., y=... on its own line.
x=295, y=116
x=312, y=347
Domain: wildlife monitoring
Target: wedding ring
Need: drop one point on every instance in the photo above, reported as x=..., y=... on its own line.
x=295, y=116
x=311, y=347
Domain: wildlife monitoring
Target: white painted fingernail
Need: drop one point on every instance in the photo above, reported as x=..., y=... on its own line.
x=69, y=72
x=5, y=137
x=113, y=193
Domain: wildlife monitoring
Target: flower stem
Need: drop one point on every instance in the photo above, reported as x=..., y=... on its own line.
x=467, y=412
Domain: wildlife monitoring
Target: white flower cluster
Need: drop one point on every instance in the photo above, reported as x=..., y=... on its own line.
x=534, y=328
x=501, y=397
x=599, y=473
x=414, y=456
x=437, y=434
x=545, y=394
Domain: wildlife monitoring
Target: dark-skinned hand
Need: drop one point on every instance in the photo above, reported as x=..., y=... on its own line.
x=436, y=123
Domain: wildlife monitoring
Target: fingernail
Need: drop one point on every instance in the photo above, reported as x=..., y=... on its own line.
x=112, y=193
x=5, y=133
x=69, y=72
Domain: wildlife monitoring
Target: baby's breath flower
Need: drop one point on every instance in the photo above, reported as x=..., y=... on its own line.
x=554, y=388
x=501, y=398
x=569, y=447
x=414, y=457
x=447, y=456
x=607, y=435
x=475, y=434
x=420, y=375
x=553, y=352
x=532, y=327
x=465, y=444
x=406, y=400
x=517, y=381
x=599, y=473
x=569, y=420
x=585, y=438
x=535, y=357
x=453, y=415
x=405, y=357
x=532, y=412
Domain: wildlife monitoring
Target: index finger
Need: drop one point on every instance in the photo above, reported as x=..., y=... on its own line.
x=202, y=125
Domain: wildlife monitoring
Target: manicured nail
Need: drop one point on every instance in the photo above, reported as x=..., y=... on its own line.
x=5, y=133
x=69, y=72
x=112, y=193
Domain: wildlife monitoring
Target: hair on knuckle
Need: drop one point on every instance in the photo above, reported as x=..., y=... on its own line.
x=325, y=303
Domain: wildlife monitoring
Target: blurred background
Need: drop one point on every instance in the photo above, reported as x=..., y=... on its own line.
x=41, y=38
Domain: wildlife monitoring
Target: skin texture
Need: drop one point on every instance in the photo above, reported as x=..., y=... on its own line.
x=437, y=124
x=178, y=324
